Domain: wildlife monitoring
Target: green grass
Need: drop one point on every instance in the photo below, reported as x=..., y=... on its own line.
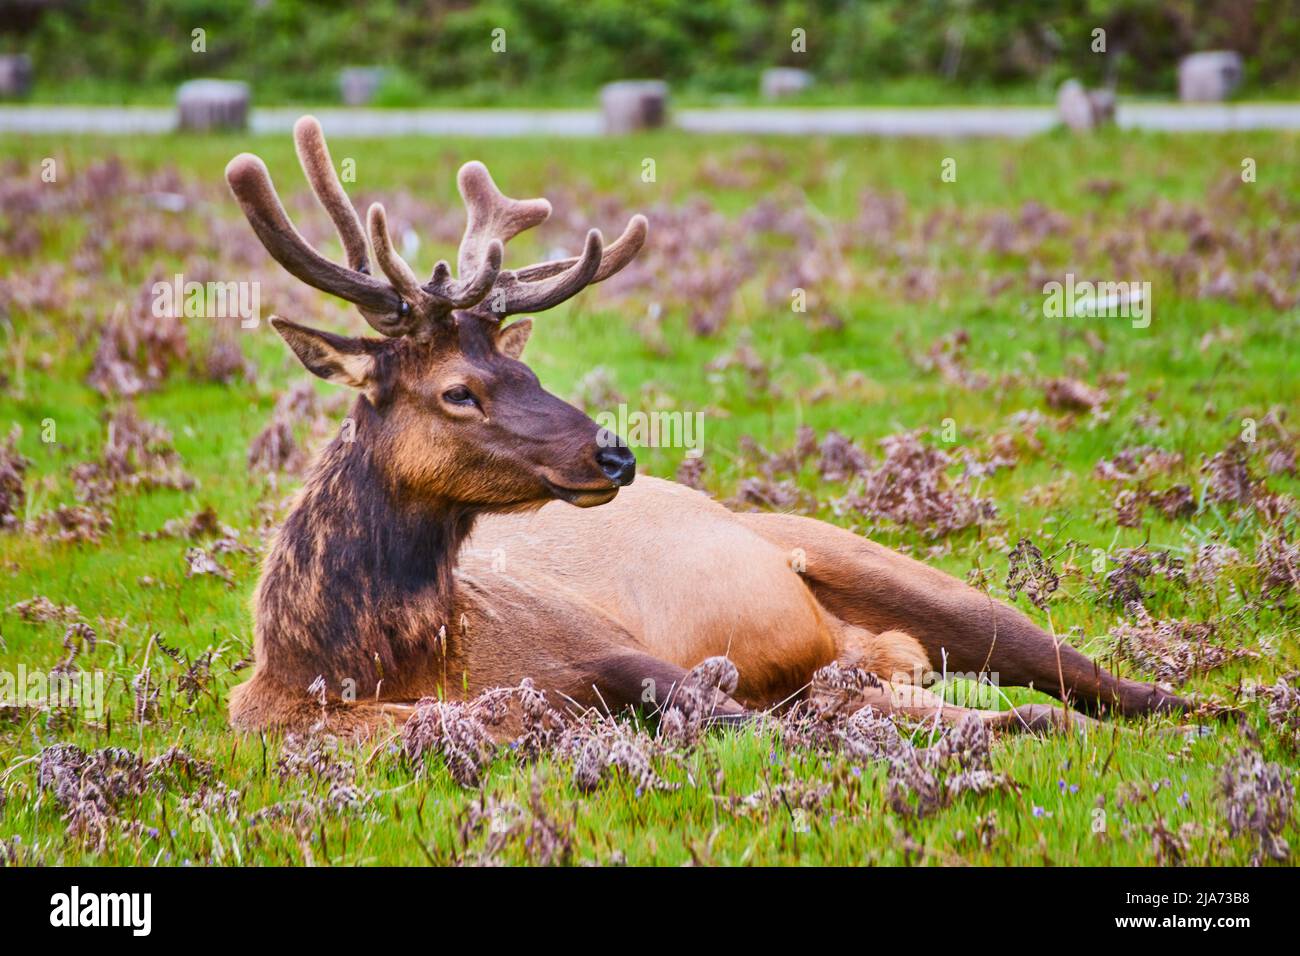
x=1200, y=392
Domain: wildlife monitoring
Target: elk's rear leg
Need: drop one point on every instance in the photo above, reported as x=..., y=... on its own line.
x=893, y=656
x=917, y=703
x=961, y=629
x=902, y=664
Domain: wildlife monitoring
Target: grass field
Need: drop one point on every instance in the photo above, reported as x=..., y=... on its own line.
x=925, y=314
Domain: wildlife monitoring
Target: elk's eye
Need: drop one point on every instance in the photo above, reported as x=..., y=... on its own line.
x=459, y=395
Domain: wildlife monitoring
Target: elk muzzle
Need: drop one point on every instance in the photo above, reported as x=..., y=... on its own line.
x=615, y=459
x=577, y=460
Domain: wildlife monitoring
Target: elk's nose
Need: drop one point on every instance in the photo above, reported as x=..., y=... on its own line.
x=618, y=463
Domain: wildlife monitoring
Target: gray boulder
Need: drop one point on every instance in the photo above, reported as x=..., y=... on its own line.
x=15, y=75
x=204, y=105
x=1209, y=77
x=784, y=81
x=1082, y=109
x=630, y=105
x=359, y=84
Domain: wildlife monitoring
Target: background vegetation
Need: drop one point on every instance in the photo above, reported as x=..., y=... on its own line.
x=899, y=51
x=925, y=306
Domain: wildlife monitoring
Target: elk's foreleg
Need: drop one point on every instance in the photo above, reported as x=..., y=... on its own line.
x=568, y=647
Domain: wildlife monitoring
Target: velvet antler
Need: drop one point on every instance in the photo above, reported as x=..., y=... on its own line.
x=495, y=217
x=402, y=305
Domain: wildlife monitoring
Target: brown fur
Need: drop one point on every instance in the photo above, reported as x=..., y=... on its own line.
x=429, y=555
x=591, y=603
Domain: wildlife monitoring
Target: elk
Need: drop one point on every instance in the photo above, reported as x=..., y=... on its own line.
x=383, y=584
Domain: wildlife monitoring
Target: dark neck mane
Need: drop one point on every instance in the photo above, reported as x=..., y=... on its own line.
x=373, y=537
x=356, y=572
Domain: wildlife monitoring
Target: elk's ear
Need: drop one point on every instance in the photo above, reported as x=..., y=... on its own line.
x=334, y=358
x=512, y=339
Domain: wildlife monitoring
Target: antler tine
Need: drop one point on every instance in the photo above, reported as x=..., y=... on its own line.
x=379, y=303
x=526, y=297
x=440, y=295
x=394, y=266
x=470, y=292
x=314, y=155
x=493, y=216
x=620, y=253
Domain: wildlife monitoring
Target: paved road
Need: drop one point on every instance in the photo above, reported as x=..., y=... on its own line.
x=865, y=121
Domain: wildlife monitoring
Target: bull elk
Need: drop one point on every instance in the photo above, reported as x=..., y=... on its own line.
x=380, y=582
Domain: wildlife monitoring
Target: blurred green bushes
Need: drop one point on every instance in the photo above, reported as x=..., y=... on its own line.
x=292, y=49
